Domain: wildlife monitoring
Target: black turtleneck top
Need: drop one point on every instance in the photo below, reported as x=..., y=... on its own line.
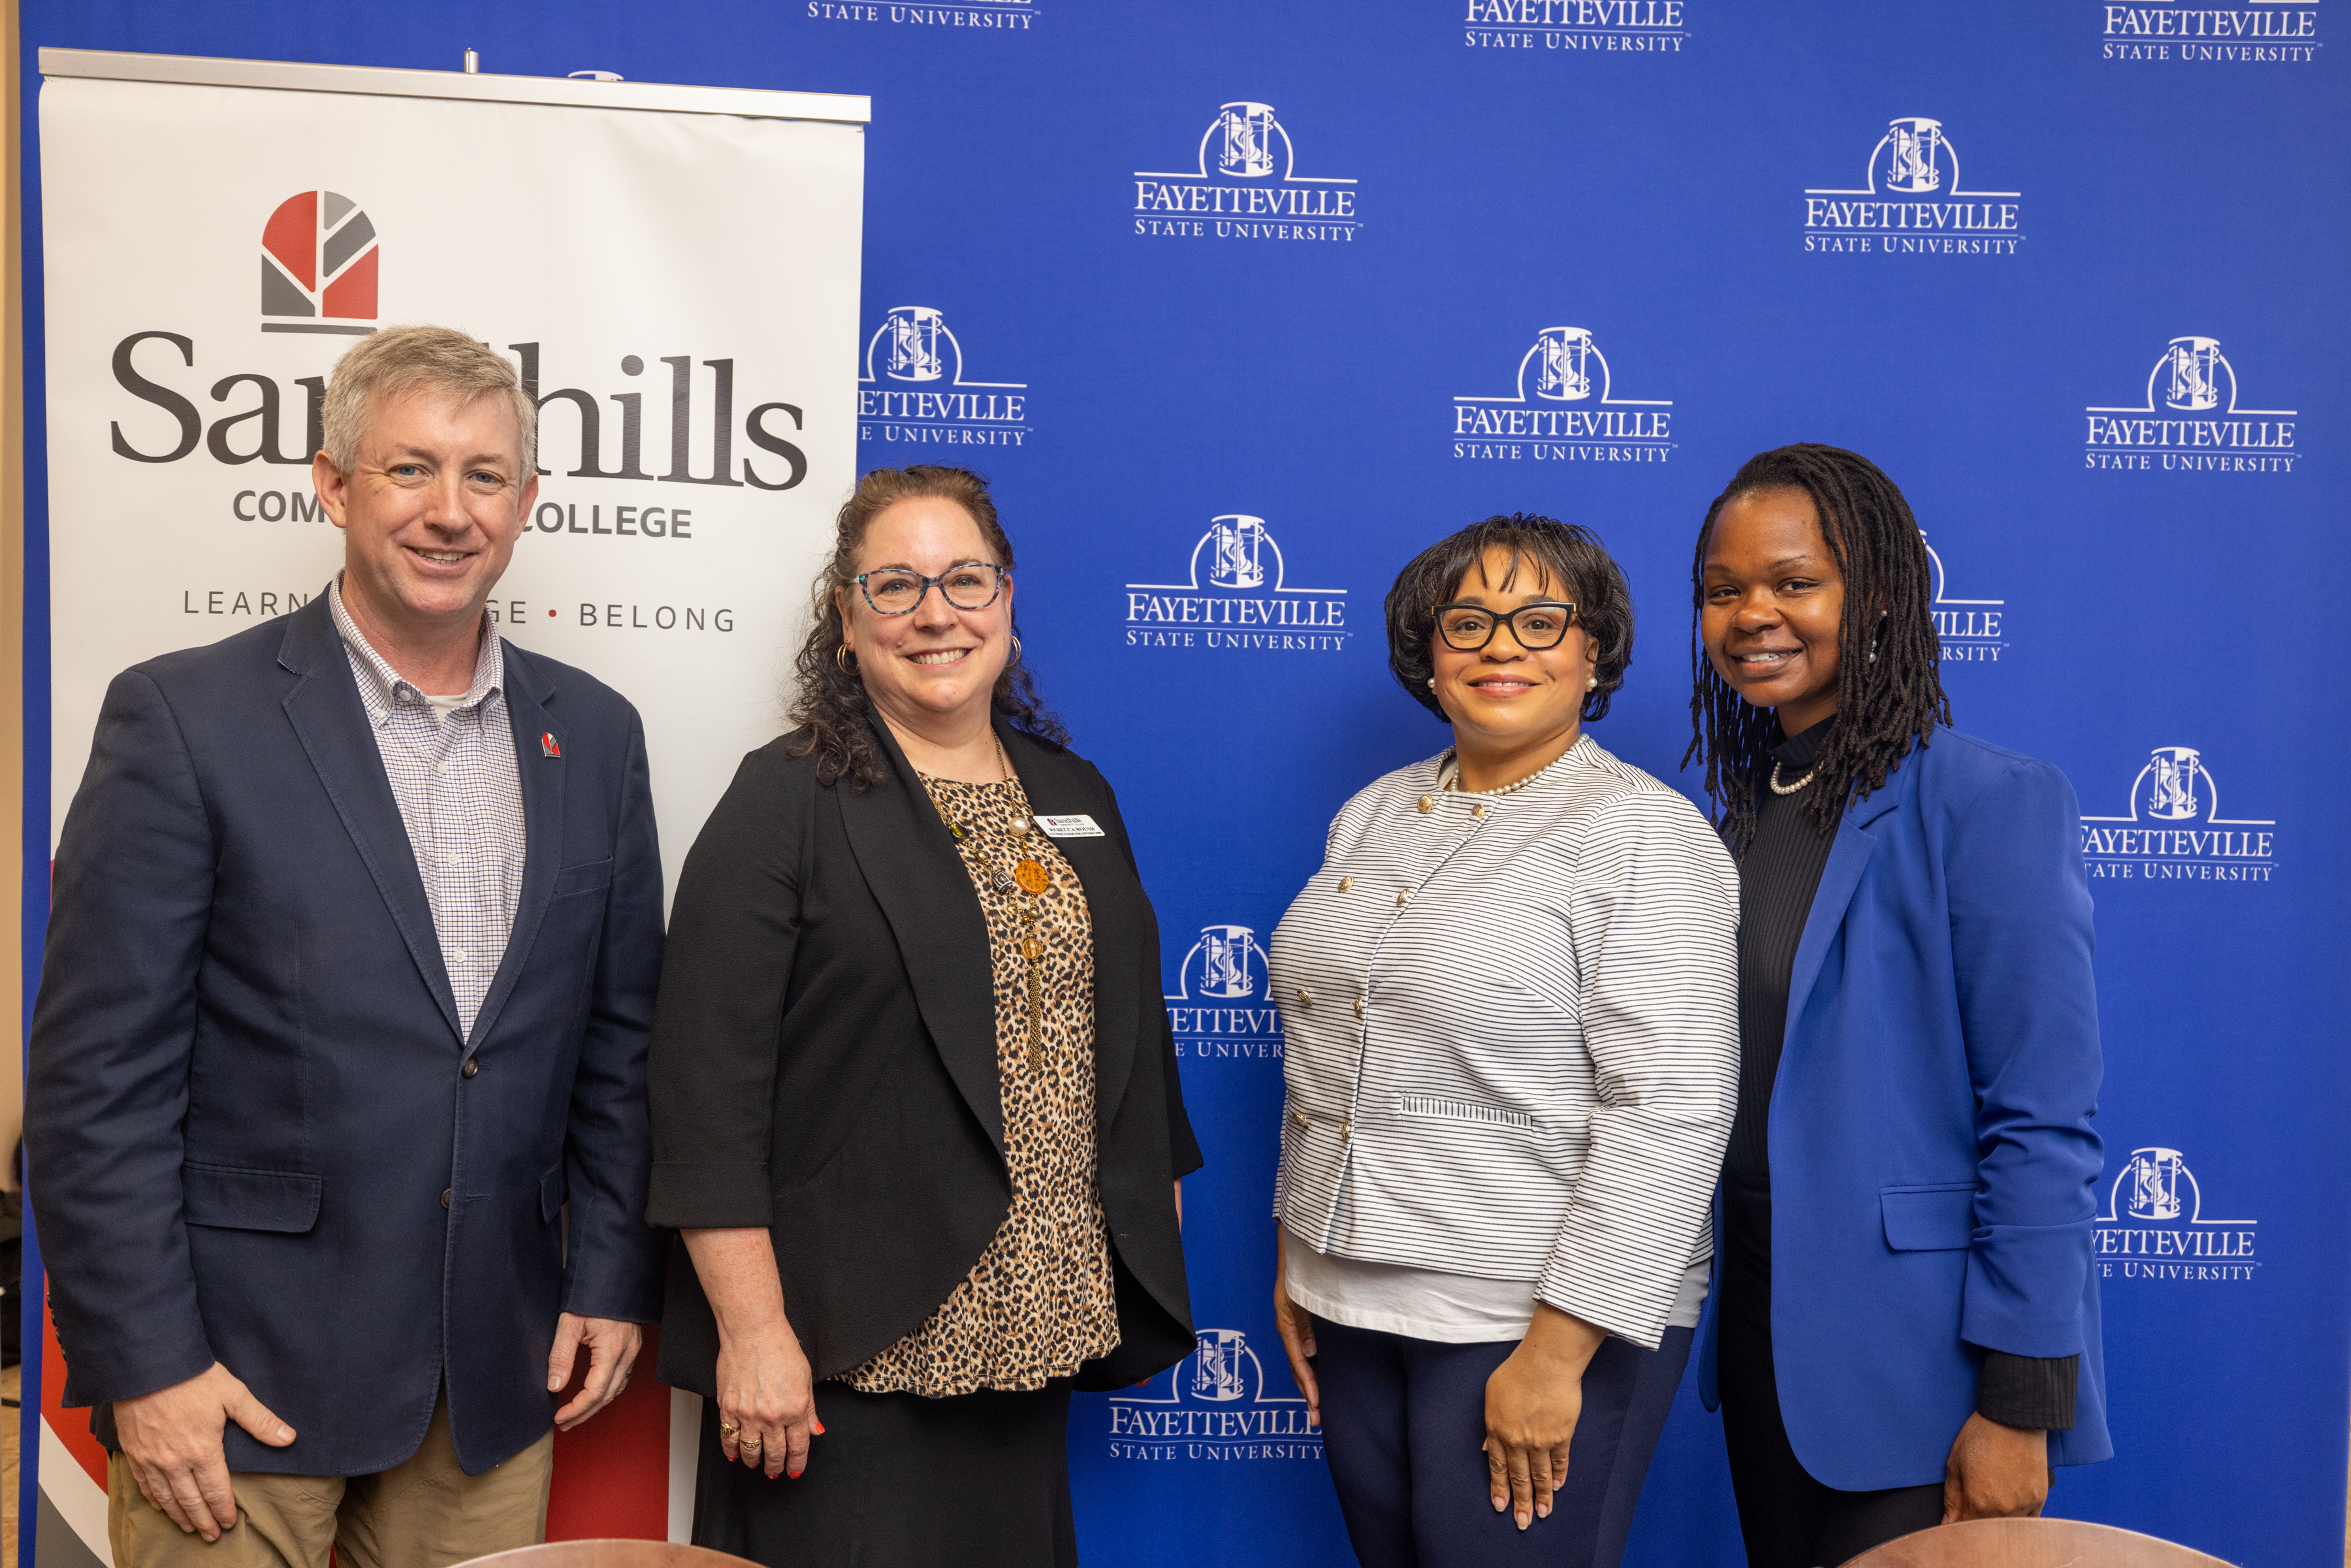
x=1777, y=879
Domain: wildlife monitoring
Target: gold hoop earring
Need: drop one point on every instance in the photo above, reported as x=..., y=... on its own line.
x=841, y=657
x=1016, y=647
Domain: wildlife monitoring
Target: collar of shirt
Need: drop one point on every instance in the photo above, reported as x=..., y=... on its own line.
x=381, y=687
x=1798, y=751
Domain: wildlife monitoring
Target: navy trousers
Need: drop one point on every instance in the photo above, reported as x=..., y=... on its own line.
x=1403, y=1422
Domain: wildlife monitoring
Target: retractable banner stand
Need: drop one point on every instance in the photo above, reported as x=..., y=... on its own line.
x=675, y=272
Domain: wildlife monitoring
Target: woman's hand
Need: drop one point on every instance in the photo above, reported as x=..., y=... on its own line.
x=767, y=1409
x=1296, y=1326
x=764, y=1394
x=1533, y=1401
x=1996, y=1472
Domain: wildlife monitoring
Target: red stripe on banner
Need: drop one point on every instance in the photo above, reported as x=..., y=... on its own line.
x=611, y=1475
x=72, y=1429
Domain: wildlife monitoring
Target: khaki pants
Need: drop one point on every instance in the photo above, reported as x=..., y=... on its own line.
x=424, y=1512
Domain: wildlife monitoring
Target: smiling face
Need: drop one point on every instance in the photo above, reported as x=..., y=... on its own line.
x=937, y=662
x=1773, y=606
x=430, y=511
x=1506, y=698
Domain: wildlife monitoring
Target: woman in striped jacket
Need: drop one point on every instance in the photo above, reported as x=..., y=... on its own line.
x=1510, y=1005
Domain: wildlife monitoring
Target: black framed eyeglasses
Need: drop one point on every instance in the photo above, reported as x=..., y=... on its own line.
x=1467, y=628
x=896, y=591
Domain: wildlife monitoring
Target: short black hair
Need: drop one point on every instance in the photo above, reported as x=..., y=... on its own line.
x=1571, y=556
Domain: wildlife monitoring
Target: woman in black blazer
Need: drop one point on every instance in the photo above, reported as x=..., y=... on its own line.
x=914, y=1098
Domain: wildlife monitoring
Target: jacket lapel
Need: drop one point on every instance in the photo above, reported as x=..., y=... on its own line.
x=910, y=863
x=1055, y=787
x=1849, y=857
x=528, y=693
x=332, y=723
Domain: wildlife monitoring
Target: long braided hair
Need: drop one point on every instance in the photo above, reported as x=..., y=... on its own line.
x=830, y=704
x=1890, y=661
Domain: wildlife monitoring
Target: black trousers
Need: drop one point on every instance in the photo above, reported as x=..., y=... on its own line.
x=1789, y=1520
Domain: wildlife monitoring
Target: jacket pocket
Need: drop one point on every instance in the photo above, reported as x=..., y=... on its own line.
x=1463, y=1110
x=551, y=1193
x=588, y=878
x=236, y=1199
x=1937, y=1218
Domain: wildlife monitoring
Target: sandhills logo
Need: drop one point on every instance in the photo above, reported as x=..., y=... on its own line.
x=2155, y=1228
x=912, y=387
x=1214, y=1405
x=1236, y=595
x=1972, y=630
x=1910, y=203
x=1222, y=1006
x=2268, y=32
x=2174, y=830
x=318, y=255
x=1245, y=184
x=1564, y=410
x=2189, y=421
x=1577, y=26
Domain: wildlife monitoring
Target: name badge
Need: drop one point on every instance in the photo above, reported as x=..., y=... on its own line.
x=1080, y=826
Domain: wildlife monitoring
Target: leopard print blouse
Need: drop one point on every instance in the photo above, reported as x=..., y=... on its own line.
x=1040, y=1300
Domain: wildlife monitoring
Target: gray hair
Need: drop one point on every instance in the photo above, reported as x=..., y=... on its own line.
x=434, y=359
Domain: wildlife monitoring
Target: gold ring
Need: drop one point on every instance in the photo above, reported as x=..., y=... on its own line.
x=727, y=1428
x=748, y=1445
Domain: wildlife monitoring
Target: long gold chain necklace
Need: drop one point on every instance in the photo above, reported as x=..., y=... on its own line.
x=1029, y=878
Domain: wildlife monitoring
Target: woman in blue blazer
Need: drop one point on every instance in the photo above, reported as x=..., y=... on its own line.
x=1905, y=1330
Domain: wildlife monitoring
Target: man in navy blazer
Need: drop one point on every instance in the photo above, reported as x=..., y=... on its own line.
x=354, y=935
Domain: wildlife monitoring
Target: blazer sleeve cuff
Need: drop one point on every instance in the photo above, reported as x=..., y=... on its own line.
x=2034, y=1392
x=2024, y=1288
x=156, y=1365
x=710, y=1195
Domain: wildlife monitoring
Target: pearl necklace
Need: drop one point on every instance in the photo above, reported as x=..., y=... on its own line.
x=1780, y=789
x=1449, y=777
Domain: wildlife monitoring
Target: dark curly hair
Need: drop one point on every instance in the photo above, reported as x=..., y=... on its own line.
x=831, y=706
x=1890, y=661
x=1570, y=556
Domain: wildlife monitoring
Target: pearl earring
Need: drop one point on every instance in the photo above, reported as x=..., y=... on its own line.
x=1592, y=683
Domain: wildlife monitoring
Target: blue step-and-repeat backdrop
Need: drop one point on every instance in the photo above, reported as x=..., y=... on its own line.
x=1241, y=302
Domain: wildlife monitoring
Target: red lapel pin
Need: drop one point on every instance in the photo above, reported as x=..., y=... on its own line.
x=548, y=747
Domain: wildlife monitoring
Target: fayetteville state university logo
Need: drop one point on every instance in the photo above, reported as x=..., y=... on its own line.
x=1236, y=595
x=1564, y=410
x=2189, y=421
x=2155, y=1228
x=1972, y=630
x=1571, y=27
x=318, y=267
x=1911, y=203
x=912, y=389
x=2174, y=830
x=1212, y=1405
x=1222, y=1006
x=2268, y=32
x=1245, y=184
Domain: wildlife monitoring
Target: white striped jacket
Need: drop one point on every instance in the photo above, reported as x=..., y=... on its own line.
x=1512, y=1036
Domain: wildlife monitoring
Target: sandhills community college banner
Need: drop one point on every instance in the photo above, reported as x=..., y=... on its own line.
x=675, y=273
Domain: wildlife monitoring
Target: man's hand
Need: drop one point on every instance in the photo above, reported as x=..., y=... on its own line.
x=1996, y=1472
x=173, y=1439
x=1296, y=1326
x=1532, y=1403
x=612, y=1347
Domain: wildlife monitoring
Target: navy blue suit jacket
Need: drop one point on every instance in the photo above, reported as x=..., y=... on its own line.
x=246, y=1099
x=1932, y=1157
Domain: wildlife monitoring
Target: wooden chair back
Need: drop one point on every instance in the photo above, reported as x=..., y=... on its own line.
x=2031, y=1544
x=610, y=1554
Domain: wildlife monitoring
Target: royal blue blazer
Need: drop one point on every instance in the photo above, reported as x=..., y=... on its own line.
x=1933, y=1160
x=253, y=1136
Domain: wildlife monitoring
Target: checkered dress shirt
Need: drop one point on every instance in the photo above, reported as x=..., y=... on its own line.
x=460, y=796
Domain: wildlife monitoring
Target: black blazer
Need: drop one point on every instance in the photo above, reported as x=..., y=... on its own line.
x=824, y=1062
x=255, y=1133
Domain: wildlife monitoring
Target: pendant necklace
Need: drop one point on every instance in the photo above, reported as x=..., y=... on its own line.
x=1028, y=877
